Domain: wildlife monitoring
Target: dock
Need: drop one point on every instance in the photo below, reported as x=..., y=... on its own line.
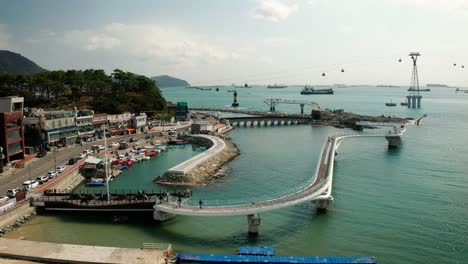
x=67, y=253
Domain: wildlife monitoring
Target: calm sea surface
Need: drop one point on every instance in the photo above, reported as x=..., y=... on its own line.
x=403, y=206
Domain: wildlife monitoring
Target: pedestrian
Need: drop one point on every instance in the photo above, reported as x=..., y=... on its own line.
x=200, y=203
x=179, y=201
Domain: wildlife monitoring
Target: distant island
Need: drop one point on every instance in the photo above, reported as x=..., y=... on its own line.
x=14, y=63
x=168, y=81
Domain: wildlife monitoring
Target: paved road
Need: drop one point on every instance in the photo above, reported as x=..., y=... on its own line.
x=40, y=166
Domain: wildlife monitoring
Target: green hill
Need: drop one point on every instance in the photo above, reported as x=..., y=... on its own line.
x=168, y=81
x=14, y=63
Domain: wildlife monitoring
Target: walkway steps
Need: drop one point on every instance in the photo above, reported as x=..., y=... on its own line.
x=66, y=253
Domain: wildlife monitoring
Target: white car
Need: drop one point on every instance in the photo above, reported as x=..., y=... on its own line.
x=82, y=155
x=51, y=174
x=4, y=199
x=88, y=151
x=12, y=192
x=101, y=147
x=60, y=169
x=114, y=144
x=42, y=179
x=30, y=184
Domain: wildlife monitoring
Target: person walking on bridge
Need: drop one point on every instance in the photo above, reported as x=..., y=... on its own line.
x=200, y=203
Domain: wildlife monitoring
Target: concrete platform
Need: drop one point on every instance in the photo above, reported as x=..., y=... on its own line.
x=66, y=253
x=186, y=166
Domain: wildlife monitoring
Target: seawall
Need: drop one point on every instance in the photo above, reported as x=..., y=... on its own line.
x=202, y=168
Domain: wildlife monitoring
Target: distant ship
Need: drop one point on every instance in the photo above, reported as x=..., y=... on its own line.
x=246, y=85
x=436, y=85
x=276, y=86
x=390, y=103
x=311, y=90
x=340, y=85
x=420, y=90
x=387, y=86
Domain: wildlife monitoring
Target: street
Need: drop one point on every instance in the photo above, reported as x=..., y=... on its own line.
x=39, y=166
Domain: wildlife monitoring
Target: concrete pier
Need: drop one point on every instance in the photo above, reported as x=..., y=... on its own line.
x=323, y=204
x=66, y=253
x=393, y=142
x=162, y=216
x=254, y=223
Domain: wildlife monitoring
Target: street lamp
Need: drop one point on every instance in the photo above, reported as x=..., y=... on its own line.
x=104, y=128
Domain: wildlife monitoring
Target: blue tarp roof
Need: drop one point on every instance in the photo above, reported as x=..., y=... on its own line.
x=260, y=251
x=215, y=258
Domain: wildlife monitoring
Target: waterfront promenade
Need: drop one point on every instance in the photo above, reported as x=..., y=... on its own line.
x=67, y=253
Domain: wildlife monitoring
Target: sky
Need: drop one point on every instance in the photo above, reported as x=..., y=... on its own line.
x=213, y=42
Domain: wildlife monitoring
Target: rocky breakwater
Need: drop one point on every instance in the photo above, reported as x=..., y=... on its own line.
x=19, y=222
x=341, y=119
x=203, y=168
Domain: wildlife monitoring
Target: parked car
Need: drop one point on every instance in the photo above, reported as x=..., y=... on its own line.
x=73, y=160
x=12, y=192
x=132, y=139
x=88, y=151
x=41, y=154
x=4, y=199
x=42, y=179
x=114, y=144
x=29, y=185
x=52, y=174
x=101, y=147
x=60, y=169
x=82, y=155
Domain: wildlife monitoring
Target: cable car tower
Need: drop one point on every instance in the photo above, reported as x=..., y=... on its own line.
x=414, y=98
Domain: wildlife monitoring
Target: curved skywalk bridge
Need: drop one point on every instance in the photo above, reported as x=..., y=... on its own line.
x=317, y=190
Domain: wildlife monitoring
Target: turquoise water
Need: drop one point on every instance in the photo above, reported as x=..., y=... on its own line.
x=401, y=206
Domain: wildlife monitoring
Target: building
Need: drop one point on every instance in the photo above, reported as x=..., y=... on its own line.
x=84, y=123
x=118, y=123
x=200, y=127
x=182, y=111
x=138, y=122
x=57, y=126
x=11, y=129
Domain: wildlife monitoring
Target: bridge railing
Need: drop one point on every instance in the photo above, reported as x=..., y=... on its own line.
x=290, y=194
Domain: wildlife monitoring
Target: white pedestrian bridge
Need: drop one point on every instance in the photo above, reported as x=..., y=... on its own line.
x=317, y=190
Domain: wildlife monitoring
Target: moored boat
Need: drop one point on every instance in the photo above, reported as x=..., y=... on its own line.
x=176, y=142
x=311, y=90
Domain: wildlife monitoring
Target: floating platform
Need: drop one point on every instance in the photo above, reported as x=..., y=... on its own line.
x=252, y=254
x=214, y=258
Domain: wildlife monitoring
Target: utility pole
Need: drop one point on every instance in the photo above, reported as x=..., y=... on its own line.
x=55, y=160
x=106, y=161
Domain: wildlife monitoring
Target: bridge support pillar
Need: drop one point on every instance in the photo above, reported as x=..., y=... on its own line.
x=254, y=223
x=393, y=142
x=323, y=204
x=302, y=109
x=162, y=216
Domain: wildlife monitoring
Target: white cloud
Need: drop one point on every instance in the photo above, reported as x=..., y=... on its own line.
x=276, y=41
x=274, y=10
x=345, y=29
x=265, y=60
x=442, y=6
x=163, y=44
x=4, y=36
